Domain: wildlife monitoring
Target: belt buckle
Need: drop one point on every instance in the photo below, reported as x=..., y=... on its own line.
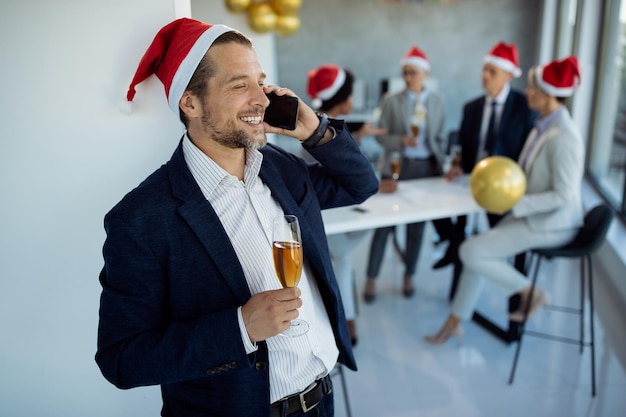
x=303, y=404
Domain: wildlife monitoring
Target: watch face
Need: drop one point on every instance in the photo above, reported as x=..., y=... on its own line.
x=282, y=111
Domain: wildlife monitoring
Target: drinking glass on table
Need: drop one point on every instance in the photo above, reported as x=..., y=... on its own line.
x=394, y=165
x=287, y=253
x=452, y=165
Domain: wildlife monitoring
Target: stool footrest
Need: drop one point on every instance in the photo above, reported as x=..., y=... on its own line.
x=557, y=338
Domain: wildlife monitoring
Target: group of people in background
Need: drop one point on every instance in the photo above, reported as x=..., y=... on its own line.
x=532, y=127
x=190, y=298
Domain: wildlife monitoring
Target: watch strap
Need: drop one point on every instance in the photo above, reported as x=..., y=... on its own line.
x=319, y=132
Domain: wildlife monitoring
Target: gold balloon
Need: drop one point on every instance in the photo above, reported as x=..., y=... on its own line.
x=497, y=183
x=261, y=17
x=286, y=6
x=237, y=6
x=287, y=24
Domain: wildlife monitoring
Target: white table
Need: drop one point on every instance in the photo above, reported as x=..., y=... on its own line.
x=414, y=201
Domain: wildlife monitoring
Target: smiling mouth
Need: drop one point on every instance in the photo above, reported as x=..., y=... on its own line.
x=252, y=119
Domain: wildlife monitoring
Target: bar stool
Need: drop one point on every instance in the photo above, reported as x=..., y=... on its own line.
x=338, y=370
x=587, y=241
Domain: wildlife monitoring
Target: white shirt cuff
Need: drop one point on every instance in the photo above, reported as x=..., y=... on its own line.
x=248, y=344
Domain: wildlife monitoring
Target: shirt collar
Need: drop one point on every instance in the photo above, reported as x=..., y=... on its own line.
x=501, y=97
x=209, y=175
x=422, y=95
x=542, y=123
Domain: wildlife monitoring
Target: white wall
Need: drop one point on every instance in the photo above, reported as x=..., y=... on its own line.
x=67, y=155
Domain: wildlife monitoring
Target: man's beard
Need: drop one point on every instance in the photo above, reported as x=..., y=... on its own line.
x=230, y=136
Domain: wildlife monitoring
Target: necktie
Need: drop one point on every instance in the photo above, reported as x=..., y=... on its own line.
x=490, y=141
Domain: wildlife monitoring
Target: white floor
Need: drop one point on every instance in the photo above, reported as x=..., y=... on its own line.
x=400, y=375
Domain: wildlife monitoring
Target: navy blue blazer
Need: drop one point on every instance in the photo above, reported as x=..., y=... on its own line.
x=516, y=123
x=171, y=281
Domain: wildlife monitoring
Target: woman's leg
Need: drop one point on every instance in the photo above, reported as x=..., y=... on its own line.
x=486, y=256
x=341, y=248
x=377, y=252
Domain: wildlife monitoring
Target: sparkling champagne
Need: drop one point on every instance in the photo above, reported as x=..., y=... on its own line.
x=395, y=168
x=288, y=262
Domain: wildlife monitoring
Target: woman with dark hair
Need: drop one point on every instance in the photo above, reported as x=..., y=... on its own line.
x=330, y=88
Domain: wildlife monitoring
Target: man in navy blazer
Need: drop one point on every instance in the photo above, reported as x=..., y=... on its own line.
x=189, y=299
x=496, y=123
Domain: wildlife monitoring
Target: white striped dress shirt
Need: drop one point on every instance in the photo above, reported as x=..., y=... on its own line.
x=246, y=210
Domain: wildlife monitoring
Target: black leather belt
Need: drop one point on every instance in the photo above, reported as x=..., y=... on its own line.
x=306, y=400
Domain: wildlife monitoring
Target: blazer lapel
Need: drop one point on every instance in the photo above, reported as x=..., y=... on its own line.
x=273, y=179
x=532, y=147
x=202, y=219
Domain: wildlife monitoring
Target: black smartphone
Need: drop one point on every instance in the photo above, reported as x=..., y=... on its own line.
x=282, y=111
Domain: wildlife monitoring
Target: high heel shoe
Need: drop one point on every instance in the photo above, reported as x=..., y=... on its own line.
x=540, y=299
x=407, y=288
x=369, y=295
x=352, y=330
x=446, y=332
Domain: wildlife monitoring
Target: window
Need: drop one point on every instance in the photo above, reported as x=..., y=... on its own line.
x=607, y=152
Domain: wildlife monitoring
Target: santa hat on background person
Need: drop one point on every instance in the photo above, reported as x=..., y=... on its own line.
x=323, y=83
x=417, y=58
x=559, y=78
x=173, y=57
x=504, y=56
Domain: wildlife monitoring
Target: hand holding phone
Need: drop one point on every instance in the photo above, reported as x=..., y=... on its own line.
x=282, y=111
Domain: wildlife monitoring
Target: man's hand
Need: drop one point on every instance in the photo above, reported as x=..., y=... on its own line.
x=409, y=141
x=307, y=119
x=387, y=186
x=454, y=173
x=270, y=312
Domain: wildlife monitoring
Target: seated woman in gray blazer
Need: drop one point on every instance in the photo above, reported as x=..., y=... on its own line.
x=548, y=215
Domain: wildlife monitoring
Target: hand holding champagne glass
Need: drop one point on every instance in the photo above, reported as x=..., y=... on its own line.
x=288, y=258
x=415, y=127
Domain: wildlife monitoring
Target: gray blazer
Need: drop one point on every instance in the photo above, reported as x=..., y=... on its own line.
x=395, y=117
x=553, y=176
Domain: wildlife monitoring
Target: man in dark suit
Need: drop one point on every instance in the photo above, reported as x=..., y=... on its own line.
x=496, y=123
x=190, y=298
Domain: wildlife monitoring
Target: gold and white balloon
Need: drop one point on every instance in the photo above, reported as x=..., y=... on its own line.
x=267, y=15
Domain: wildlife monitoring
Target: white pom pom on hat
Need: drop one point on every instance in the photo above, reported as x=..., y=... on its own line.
x=504, y=56
x=417, y=58
x=173, y=57
x=324, y=82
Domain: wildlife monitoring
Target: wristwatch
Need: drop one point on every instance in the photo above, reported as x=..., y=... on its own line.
x=319, y=132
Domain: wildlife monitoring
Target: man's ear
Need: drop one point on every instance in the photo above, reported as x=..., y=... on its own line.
x=190, y=105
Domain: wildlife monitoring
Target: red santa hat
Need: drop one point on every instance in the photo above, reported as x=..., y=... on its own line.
x=504, y=56
x=559, y=78
x=417, y=58
x=173, y=57
x=323, y=83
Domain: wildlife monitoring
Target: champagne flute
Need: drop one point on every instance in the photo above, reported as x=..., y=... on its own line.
x=287, y=253
x=455, y=152
x=394, y=164
x=453, y=159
